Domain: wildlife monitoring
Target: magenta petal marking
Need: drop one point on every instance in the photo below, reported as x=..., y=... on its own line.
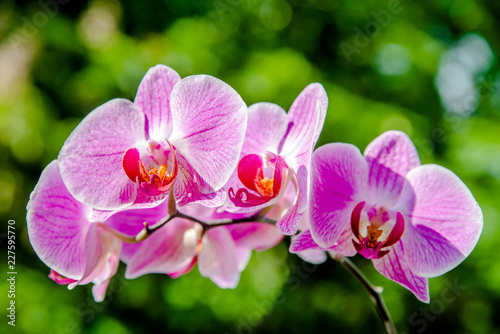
x=282, y=142
x=394, y=267
x=302, y=242
x=394, y=150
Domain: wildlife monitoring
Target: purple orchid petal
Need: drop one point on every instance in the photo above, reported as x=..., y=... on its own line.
x=390, y=157
x=303, y=241
x=258, y=236
x=141, y=202
x=218, y=260
x=344, y=244
x=128, y=252
x=145, y=202
x=153, y=98
x=59, y=279
x=445, y=222
x=314, y=256
x=384, y=185
x=168, y=250
x=339, y=175
x=131, y=222
x=394, y=150
x=101, y=256
x=243, y=255
x=101, y=282
x=187, y=188
x=289, y=223
x=57, y=225
x=307, y=249
x=209, y=121
x=99, y=290
x=394, y=267
x=102, y=259
x=65, y=240
x=266, y=127
x=185, y=270
x=307, y=115
x=91, y=158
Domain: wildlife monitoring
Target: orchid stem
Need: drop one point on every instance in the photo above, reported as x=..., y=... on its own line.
x=223, y=222
x=252, y=219
x=375, y=292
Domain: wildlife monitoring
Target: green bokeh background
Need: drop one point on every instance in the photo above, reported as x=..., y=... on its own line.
x=384, y=64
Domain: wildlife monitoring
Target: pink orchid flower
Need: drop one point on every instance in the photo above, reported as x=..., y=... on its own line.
x=77, y=251
x=277, y=149
x=412, y=221
x=186, y=134
x=221, y=253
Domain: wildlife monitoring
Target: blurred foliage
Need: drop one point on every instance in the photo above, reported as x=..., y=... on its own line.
x=426, y=68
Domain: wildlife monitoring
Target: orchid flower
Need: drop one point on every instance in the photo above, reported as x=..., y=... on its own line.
x=221, y=253
x=277, y=149
x=186, y=134
x=77, y=251
x=413, y=221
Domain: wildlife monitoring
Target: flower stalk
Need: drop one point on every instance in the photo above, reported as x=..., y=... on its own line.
x=375, y=292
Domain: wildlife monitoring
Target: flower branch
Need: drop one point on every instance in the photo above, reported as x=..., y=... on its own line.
x=375, y=292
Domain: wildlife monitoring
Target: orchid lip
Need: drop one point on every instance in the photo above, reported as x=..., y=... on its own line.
x=154, y=168
x=263, y=179
x=370, y=246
